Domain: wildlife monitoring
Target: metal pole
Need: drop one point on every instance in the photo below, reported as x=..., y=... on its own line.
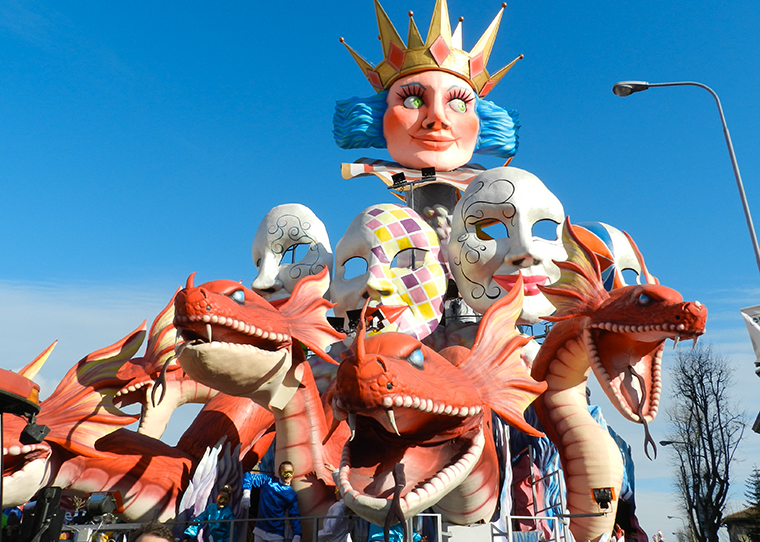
x=638, y=86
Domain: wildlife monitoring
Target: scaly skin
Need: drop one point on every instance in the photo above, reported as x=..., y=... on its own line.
x=620, y=335
x=407, y=404
x=238, y=343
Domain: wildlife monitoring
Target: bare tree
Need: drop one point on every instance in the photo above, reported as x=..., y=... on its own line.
x=706, y=430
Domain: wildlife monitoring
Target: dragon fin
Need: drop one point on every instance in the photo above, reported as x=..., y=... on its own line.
x=306, y=312
x=579, y=289
x=494, y=364
x=31, y=370
x=80, y=410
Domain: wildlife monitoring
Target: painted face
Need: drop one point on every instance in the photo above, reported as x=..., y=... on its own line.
x=401, y=269
x=493, y=238
x=431, y=121
x=291, y=243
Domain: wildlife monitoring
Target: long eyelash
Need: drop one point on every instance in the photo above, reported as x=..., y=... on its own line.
x=462, y=94
x=411, y=90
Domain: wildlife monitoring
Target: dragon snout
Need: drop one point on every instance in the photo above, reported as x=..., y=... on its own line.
x=696, y=312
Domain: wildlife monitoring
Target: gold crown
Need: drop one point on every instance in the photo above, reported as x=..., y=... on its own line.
x=441, y=50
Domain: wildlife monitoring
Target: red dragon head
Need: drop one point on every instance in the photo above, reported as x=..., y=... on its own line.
x=624, y=331
x=407, y=404
x=237, y=343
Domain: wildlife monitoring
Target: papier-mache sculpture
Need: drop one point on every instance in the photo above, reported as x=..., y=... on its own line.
x=429, y=111
x=620, y=335
x=282, y=230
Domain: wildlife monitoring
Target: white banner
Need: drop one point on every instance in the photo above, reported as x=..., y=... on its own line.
x=751, y=317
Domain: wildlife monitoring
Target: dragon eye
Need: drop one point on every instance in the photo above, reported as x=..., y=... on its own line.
x=238, y=296
x=416, y=358
x=644, y=299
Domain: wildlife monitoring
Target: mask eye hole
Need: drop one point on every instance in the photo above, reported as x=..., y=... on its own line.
x=545, y=229
x=238, y=296
x=295, y=253
x=417, y=359
x=490, y=229
x=409, y=258
x=354, y=267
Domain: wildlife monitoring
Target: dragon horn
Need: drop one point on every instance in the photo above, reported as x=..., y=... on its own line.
x=648, y=278
x=361, y=329
x=31, y=370
x=191, y=281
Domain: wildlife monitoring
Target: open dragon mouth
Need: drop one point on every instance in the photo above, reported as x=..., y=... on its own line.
x=24, y=469
x=220, y=329
x=632, y=355
x=438, y=445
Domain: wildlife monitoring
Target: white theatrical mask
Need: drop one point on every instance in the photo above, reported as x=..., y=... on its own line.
x=280, y=233
x=486, y=268
x=402, y=269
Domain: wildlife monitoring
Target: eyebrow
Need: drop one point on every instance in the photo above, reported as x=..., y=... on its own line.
x=415, y=85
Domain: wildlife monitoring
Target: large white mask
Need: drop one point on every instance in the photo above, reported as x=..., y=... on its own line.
x=282, y=234
x=401, y=270
x=485, y=267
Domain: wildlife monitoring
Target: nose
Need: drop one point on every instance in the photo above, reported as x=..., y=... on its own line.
x=379, y=288
x=267, y=280
x=521, y=252
x=436, y=116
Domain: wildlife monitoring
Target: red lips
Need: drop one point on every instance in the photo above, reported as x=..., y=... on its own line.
x=530, y=283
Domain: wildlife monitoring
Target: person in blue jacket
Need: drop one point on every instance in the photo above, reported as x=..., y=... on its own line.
x=278, y=499
x=216, y=531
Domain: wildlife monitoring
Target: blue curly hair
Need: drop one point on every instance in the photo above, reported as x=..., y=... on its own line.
x=358, y=124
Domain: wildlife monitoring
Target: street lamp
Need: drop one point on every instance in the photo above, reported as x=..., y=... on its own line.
x=626, y=88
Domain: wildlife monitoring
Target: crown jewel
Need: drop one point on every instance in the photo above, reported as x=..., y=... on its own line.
x=441, y=50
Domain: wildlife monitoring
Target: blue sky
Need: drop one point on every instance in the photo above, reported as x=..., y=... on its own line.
x=141, y=142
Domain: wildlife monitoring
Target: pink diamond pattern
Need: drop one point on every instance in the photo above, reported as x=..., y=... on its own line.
x=439, y=50
x=486, y=88
x=476, y=65
x=396, y=57
x=374, y=79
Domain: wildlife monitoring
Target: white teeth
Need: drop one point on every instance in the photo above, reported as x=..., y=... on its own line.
x=676, y=340
x=257, y=333
x=352, y=424
x=392, y=420
x=447, y=410
x=214, y=319
x=416, y=402
x=387, y=402
x=398, y=401
x=454, y=411
x=206, y=318
x=208, y=332
x=407, y=401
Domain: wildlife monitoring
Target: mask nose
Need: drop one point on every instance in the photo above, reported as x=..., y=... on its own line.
x=521, y=252
x=379, y=288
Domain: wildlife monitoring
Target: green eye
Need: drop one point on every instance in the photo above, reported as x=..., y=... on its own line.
x=413, y=102
x=458, y=105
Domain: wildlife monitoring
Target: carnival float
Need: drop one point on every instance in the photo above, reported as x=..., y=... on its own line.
x=412, y=386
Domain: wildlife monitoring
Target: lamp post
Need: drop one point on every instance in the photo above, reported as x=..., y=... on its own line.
x=685, y=531
x=626, y=88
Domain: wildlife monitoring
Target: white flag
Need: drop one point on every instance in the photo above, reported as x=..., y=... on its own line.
x=751, y=317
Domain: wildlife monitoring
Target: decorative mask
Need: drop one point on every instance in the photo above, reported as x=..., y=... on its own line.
x=283, y=229
x=616, y=252
x=404, y=275
x=484, y=267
